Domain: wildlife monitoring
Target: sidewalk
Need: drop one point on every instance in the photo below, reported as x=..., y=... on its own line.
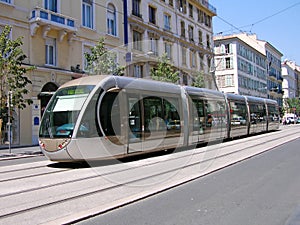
x=19, y=152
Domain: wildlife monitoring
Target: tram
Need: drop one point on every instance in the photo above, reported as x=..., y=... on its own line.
x=99, y=117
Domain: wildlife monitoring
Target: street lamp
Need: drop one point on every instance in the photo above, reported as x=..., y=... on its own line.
x=9, y=105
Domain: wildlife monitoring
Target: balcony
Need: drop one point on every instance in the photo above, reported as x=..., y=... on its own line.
x=48, y=20
x=208, y=6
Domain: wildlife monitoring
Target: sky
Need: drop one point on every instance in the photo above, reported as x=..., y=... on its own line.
x=274, y=21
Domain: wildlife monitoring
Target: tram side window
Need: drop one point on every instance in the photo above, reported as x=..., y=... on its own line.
x=238, y=113
x=171, y=115
x=258, y=113
x=198, y=114
x=110, y=114
x=273, y=113
x=153, y=114
x=215, y=113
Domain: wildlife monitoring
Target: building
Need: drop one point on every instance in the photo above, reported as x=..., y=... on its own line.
x=56, y=35
x=180, y=28
x=248, y=66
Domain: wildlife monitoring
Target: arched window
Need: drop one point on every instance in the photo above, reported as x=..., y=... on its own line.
x=111, y=20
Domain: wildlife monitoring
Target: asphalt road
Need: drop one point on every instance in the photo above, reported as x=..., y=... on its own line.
x=264, y=189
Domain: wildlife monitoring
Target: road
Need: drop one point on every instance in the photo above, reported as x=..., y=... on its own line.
x=69, y=193
x=261, y=190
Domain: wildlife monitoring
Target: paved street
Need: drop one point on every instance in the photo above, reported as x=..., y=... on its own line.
x=261, y=190
x=64, y=193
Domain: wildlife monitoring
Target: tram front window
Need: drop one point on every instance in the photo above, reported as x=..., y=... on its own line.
x=62, y=112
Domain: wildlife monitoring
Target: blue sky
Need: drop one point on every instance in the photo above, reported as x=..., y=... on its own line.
x=277, y=22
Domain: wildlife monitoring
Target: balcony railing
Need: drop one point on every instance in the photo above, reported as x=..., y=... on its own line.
x=208, y=5
x=52, y=18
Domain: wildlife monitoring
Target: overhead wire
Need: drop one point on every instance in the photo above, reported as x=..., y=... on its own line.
x=255, y=23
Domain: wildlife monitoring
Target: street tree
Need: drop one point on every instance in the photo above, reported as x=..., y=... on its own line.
x=164, y=70
x=198, y=79
x=292, y=105
x=101, y=61
x=13, y=79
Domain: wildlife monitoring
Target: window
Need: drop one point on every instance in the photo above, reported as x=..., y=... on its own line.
x=136, y=8
x=167, y=22
x=228, y=62
x=154, y=45
x=191, y=10
x=182, y=6
x=200, y=38
x=137, y=38
x=208, y=41
x=182, y=28
x=87, y=13
x=152, y=14
x=191, y=33
x=183, y=55
x=138, y=71
x=50, y=50
x=229, y=80
x=111, y=20
x=168, y=49
x=51, y=5
x=7, y=1
x=171, y=2
x=193, y=59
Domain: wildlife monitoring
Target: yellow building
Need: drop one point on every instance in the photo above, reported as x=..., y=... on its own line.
x=56, y=35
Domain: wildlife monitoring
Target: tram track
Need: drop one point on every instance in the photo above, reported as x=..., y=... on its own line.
x=106, y=178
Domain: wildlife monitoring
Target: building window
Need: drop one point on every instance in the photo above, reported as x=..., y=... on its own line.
x=137, y=40
x=181, y=4
x=154, y=46
x=208, y=41
x=152, y=14
x=136, y=8
x=167, y=22
x=7, y=1
x=111, y=20
x=138, y=71
x=229, y=80
x=182, y=28
x=183, y=55
x=87, y=13
x=51, y=5
x=191, y=10
x=50, y=50
x=191, y=33
x=193, y=59
x=200, y=38
x=168, y=49
x=171, y=3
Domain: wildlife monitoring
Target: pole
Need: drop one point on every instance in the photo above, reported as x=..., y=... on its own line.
x=9, y=101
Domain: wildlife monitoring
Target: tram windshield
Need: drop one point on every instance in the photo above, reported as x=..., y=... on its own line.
x=62, y=112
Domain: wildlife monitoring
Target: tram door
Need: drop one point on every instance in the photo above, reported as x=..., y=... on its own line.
x=135, y=132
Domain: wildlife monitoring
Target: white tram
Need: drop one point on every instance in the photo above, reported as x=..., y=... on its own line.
x=99, y=117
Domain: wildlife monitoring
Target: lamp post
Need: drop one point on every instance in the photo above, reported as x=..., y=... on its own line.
x=9, y=105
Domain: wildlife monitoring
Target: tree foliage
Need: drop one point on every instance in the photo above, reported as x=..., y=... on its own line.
x=164, y=71
x=101, y=61
x=198, y=79
x=12, y=73
x=291, y=104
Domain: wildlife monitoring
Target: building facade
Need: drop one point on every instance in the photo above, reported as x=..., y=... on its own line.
x=248, y=66
x=182, y=29
x=56, y=34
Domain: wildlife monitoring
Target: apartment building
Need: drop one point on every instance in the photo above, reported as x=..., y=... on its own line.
x=180, y=28
x=56, y=35
x=248, y=66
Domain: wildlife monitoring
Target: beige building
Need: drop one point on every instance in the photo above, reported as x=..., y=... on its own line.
x=56, y=35
x=180, y=28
